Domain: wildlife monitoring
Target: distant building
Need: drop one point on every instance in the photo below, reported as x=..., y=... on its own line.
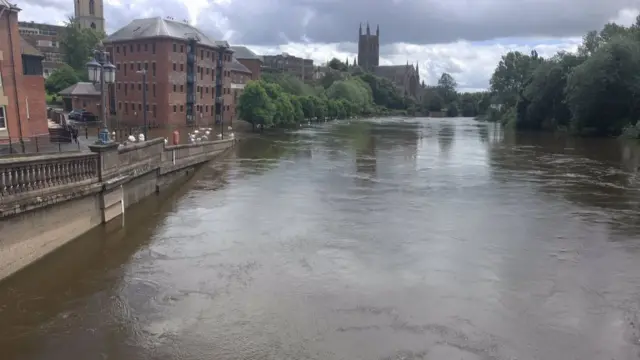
x=22, y=95
x=405, y=77
x=188, y=74
x=90, y=14
x=285, y=63
x=45, y=38
x=249, y=59
x=240, y=75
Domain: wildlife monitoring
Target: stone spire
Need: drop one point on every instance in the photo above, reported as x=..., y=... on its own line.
x=377, y=30
x=360, y=29
x=368, y=30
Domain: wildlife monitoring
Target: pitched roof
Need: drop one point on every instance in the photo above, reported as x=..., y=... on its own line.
x=244, y=53
x=237, y=66
x=160, y=27
x=28, y=49
x=81, y=88
x=8, y=5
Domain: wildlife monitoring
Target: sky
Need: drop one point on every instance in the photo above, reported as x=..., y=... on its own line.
x=462, y=37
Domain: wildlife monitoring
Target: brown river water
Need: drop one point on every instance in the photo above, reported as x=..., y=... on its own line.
x=379, y=239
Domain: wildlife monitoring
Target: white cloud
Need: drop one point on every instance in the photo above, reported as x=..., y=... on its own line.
x=470, y=64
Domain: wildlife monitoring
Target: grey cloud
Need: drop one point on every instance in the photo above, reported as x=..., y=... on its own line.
x=416, y=21
x=274, y=22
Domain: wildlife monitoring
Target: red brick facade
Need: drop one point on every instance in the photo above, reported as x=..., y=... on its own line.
x=22, y=97
x=165, y=61
x=254, y=65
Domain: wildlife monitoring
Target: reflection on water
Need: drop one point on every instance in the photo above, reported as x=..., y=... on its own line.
x=379, y=239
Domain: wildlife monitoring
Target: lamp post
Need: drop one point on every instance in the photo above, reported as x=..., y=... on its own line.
x=103, y=72
x=144, y=101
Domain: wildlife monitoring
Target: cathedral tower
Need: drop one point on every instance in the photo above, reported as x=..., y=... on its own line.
x=90, y=14
x=369, y=48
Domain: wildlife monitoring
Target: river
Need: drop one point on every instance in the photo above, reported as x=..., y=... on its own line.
x=379, y=239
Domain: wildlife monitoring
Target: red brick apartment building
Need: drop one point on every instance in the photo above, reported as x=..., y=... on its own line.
x=188, y=74
x=249, y=59
x=22, y=95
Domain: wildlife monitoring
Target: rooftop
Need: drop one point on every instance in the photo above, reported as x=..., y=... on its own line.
x=80, y=88
x=161, y=27
x=237, y=66
x=28, y=49
x=244, y=53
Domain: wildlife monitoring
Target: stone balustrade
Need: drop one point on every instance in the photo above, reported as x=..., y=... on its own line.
x=37, y=173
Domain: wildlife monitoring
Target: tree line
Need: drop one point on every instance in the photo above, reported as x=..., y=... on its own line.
x=594, y=91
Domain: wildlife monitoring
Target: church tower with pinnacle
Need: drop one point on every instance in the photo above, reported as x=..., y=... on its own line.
x=90, y=14
x=369, y=48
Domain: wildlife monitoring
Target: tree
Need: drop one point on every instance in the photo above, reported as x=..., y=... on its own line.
x=255, y=106
x=60, y=79
x=510, y=76
x=78, y=43
x=447, y=88
x=337, y=65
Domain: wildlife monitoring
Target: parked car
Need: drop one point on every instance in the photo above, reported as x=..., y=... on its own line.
x=82, y=115
x=75, y=114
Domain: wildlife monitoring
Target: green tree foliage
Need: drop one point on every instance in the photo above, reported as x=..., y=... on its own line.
x=594, y=91
x=447, y=88
x=78, y=44
x=60, y=79
x=289, y=84
x=337, y=65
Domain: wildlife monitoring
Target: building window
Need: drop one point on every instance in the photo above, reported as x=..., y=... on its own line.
x=174, y=66
x=131, y=66
x=181, y=108
x=175, y=108
x=175, y=47
x=139, y=66
x=126, y=107
x=125, y=89
x=139, y=107
x=181, y=88
x=92, y=7
x=174, y=88
x=154, y=110
x=124, y=49
x=153, y=68
x=3, y=118
x=201, y=54
x=181, y=48
x=118, y=66
x=131, y=48
x=120, y=105
x=117, y=49
x=154, y=90
x=146, y=47
x=139, y=86
x=181, y=67
x=146, y=66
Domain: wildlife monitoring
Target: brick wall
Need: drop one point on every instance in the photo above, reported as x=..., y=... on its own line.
x=11, y=70
x=35, y=96
x=254, y=66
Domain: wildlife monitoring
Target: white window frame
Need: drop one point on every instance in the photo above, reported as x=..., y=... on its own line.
x=3, y=116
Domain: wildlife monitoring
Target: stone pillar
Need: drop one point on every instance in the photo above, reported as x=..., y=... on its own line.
x=108, y=159
x=112, y=194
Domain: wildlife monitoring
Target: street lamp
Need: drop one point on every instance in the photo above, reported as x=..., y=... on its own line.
x=144, y=100
x=102, y=71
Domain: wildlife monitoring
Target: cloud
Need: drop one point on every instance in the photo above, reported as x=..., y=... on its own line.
x=463, y=37
x=471, y=64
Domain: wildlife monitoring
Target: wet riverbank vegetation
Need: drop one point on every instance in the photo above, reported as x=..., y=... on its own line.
x=282, y=100
x=594, y=91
